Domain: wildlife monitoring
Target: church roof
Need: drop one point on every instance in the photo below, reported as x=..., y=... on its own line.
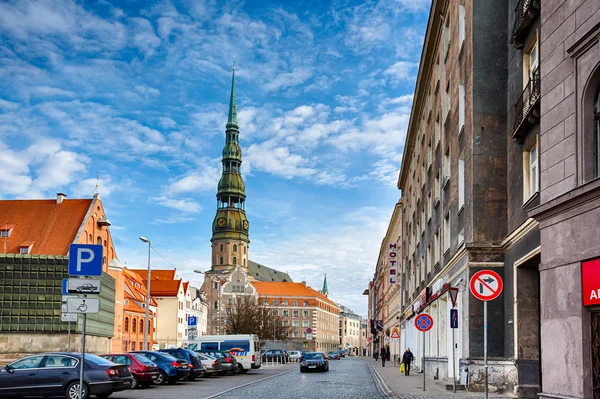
x=264, y=273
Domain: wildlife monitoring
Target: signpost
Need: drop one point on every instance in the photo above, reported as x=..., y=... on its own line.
x=85, y=260
x=424, y=323
x=192, y=329
x=485, y=285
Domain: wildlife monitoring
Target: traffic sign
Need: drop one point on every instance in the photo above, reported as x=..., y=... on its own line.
x=65, y=284
x=308, y=337
x=83, y=305
x=85, y=260
x=192, y=321
x=453, y=318
x=386, y=340
x=69, y=317
x=423, y=322
x=309, y=330
x=453, y=292
x=395, y=333
x=486, y=285
x=368, y=339
x=83, y=286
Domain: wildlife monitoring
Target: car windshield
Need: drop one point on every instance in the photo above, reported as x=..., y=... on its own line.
x=313, y=356
x=97, y=360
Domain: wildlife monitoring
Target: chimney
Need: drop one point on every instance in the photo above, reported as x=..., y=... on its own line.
x=60, y=197
x=303, y=283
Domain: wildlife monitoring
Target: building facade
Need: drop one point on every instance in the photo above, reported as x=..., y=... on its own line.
x=569, y=210
x=350, y=331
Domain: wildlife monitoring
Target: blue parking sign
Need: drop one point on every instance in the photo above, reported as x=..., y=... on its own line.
x=192, y=321
x=85, y=260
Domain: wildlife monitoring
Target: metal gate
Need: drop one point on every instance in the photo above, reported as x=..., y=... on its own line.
x=595, y=316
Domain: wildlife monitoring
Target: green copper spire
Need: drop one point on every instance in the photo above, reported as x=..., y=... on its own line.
x=325, y=290
x=232, y=122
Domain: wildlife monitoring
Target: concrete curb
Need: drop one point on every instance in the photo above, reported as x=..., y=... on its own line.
x=249, y=383
x=383, y=388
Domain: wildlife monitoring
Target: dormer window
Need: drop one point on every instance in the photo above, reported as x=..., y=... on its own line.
x=6, y=230
x=25, y=248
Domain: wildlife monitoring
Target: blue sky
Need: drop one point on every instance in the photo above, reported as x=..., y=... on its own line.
x=136, y=94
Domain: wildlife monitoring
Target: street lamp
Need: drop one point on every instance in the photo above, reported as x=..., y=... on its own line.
x=144, y=239
x=210, y=274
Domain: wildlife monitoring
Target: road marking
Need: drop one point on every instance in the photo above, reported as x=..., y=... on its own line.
x=249, y=383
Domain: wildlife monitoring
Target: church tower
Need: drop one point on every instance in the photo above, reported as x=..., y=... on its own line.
x=230, y=226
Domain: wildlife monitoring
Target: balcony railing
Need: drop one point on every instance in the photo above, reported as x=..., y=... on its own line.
x=527, y=107
x=525, y=12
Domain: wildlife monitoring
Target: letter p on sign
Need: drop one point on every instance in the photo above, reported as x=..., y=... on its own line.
x=85, y=260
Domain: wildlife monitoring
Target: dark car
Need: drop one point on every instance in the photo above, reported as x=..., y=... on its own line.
x=274, y=355
x=212, y=364
x=333, y=355
x=314, y=361
x=170, y=369
x=194, y=363
x=228, y=361
x=342, y=353
x=57, y=374
x=144, y=372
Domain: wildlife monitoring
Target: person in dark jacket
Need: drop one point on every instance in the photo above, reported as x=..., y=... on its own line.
x=407, y=359
x=376, y=355
x=383, y=356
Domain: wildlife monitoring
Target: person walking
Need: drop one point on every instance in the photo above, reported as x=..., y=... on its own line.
x=407, y=359
x=383, y=356
x=376, y=354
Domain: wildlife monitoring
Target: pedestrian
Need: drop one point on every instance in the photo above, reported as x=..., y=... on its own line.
x=383, y=356
x=376, y=354
x=407, y=359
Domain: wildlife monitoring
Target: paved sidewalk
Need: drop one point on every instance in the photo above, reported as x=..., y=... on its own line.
x=409, y=387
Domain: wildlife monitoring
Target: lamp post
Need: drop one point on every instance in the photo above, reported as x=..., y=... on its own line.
x=214, y=277
x=144, y=239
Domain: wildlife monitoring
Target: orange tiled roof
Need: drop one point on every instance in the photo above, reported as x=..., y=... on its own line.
x=51, y=226
x=289, y=290
x=165, y=288
x=157, y=274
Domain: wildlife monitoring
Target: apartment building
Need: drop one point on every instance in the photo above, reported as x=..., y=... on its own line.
x=569, y=210
x=453, y=180
x=350, y=333
x=303, y=308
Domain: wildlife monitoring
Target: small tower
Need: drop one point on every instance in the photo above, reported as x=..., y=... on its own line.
x=325, y=291
x=230, y=226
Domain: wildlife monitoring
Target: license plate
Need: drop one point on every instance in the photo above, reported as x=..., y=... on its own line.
x=126, y=382
x=312, y=367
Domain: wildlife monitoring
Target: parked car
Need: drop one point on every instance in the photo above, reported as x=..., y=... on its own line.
x=212, y=365
x=314, y=361
x=170, y=369
x=342, y=353
x=194, y=363
x=294, y=355
x=230, y=365
x=57, y=374
x=274, y=355
x=333, y=355
x=303, y=353
x=141, y=368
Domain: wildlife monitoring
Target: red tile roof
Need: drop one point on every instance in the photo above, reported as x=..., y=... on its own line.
x=289, y=290
x=51, y=225
x=165, y=288
x=156, y=274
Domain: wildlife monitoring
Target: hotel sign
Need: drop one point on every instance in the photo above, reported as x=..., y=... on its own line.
x=392, y=263
x=590, y=282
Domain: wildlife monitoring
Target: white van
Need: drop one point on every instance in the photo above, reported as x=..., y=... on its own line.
x=245, y=348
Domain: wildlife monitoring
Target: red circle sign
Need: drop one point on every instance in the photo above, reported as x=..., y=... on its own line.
x=486, y=285
x=423, y=322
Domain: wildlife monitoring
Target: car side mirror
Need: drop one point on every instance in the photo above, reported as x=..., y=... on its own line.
x=8, y=369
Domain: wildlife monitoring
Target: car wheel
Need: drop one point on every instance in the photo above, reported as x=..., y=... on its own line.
x=72, y=391
x=135, y=383
x=161, y=378
x=239, y=369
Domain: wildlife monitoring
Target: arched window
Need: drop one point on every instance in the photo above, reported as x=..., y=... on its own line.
x=90, y=239
x=221, y=248
x=221, y=260
x=127, y=324
x=99, y=240
x=244, y=250
x=141, y=326
x=235, y=260
x=105, y=243
x=134, y=325
x=244, y=262
x=234, y=248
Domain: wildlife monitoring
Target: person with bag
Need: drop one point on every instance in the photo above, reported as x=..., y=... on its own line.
x=383, y=356
x=407, y=359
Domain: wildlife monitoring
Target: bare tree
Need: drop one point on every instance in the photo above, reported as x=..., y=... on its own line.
x=246, y=316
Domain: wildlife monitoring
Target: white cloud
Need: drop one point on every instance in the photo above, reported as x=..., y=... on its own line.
x=186, y=205
x=401, y=70
x=48, y=91
x=289, y=79
x=9, y=105
x=87, y=187
x=203, y=180
x=278, y=161
x=144, y=36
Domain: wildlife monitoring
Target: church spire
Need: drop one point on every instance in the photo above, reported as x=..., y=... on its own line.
x=232, y=122
x=325, y=290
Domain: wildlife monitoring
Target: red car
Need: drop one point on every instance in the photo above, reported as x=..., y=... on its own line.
x=143, y=370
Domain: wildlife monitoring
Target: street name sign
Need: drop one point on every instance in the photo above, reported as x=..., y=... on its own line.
x=85, y=260
x=486, y=285
x=83, y=286
x=423, y=322
x=69, y=317
x=83, y=305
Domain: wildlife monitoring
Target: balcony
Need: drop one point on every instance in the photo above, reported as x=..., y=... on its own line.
x=526, y=12
x=527, y=108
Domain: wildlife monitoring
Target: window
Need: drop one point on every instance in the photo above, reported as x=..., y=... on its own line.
x=438, y=131
x=461, y=107
x=461, y=23
x=447, y=102
x=234, y=248
x=429, y=207
x=429, y=259
x=99, y=240
x=296, y=313
x=134, y=325
x=141, y=325
x=436, y=188
x=24, y=250
x=221, y=247
x=531, y=61
x=447, y=232
x=127, y=324
x=133, y=346
x=221, y=260
x=461, y=182
x=31, y=362
x=296, y=323
x=62, y=361
x=265, y=302
x=275, y=312
x=286, y=323
x=286, y=313
x=244, y=250
x=447, y=37
x=285, y=302
x=429, y=155
x=305, y=303
x=305, y=323
x=530, y=172
x=295, y=303
x=296, y=334
x=275, y=302
x=305, y=313
x=235, y=260
x=447, y=170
